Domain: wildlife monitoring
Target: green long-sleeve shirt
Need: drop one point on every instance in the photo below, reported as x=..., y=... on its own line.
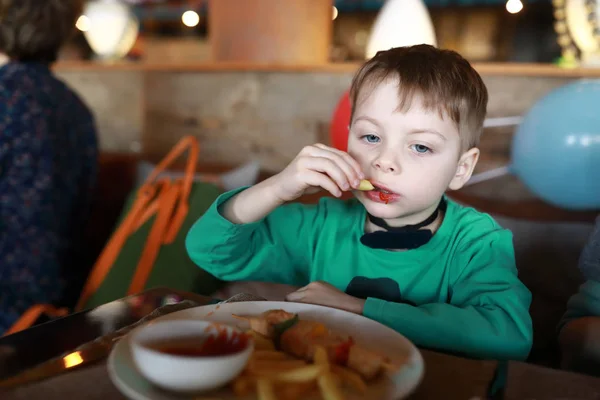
x=459, y=292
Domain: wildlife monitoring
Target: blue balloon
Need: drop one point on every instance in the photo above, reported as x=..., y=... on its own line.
x=556, y=149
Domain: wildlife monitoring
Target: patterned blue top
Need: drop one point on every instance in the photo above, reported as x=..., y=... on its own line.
x=48, y=166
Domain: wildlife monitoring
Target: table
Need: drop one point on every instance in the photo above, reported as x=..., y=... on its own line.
x=446, y=376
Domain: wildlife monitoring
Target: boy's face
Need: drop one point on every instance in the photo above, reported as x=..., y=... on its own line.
x=414, y=155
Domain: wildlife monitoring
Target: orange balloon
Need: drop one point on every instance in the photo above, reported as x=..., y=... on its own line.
x=338, y=130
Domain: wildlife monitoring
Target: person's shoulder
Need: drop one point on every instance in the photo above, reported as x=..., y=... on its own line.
x=470, y=226
x=15, y=84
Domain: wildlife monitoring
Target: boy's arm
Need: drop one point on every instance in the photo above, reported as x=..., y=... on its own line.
x=275, y=248
x=487, y=314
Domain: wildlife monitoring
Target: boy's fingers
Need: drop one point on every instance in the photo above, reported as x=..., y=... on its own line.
x=352, y=176
x=347, y=157
x=295, y=296
x=318, y=179
x=329, y=167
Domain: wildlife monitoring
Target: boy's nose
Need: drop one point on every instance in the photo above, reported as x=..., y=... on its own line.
x=386, y=166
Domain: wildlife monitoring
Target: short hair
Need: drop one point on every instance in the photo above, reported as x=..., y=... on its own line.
x=35, y=30
x=446, y=81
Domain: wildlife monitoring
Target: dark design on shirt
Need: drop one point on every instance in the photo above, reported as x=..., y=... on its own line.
x=380, y=288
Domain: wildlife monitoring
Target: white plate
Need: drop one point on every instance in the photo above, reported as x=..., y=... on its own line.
x=371, y=334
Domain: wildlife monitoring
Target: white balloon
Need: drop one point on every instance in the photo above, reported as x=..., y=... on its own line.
x=401, y=23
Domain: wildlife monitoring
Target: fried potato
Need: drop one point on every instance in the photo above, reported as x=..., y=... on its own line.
x=270, y=355
x=243, y=385
x=265, y=366
x=303, y=374
x=326, y=381
x=265, y=390
x=272, y=374
x=365, y=185
x=261, y=342
x=350, y=378
x=295, y=391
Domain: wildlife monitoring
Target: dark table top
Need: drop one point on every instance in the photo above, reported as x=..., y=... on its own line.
x=446, y=376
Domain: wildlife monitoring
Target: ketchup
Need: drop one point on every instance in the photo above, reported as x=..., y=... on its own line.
x=342, y=352
x=384, y=197
x=221, y=344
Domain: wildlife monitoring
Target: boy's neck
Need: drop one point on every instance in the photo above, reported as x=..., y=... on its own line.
x=415, y=219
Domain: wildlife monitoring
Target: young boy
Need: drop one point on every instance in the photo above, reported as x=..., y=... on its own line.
x=403, y=254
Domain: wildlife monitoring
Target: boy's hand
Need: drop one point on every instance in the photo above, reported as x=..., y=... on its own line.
x=324, y=294
x=317, y=166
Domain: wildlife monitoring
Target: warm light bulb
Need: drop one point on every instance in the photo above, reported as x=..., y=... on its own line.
x=335, y=13
x=83, y=23
x=514, y=6
x=190, y=18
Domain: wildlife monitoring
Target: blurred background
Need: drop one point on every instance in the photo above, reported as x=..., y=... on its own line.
x=481, y=30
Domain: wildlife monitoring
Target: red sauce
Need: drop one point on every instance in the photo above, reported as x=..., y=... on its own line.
x=384, y=197
x=342, y=352
x=219, y=344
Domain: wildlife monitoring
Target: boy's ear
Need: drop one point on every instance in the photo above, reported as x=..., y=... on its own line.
x=464, y=170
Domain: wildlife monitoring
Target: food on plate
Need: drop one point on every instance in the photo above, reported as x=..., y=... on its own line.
x=365, y=185
x=301, y=338
x=273, y=374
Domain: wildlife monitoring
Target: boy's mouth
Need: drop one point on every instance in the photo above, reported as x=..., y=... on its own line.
x=382, y=194
x=383, y=189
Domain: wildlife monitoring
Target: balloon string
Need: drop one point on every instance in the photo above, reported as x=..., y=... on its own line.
x=487, y=175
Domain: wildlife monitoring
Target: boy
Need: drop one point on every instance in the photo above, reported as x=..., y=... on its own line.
x=403, y=254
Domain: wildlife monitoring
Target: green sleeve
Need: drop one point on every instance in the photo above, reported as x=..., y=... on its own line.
x=487, y=313
x=274, y=249
x=584, y=303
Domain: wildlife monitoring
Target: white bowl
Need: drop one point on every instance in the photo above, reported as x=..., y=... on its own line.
x=184, y=373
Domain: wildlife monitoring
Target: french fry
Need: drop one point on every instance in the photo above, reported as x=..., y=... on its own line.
x=265, y=390
x=326, y=381
x=320, y=357
x=296, y=390
x=329, y=389
x=303, y=374
x=365, y=185
x=261, y=342
x=265, y=366
x=350, y=378
x=243, y=386
x=270, y=355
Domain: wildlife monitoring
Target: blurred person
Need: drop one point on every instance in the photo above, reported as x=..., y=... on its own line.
x=48, y=158
x=579, y=329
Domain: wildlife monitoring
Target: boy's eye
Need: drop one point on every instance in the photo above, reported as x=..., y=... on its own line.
x=371, y=138
x=420, y=148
